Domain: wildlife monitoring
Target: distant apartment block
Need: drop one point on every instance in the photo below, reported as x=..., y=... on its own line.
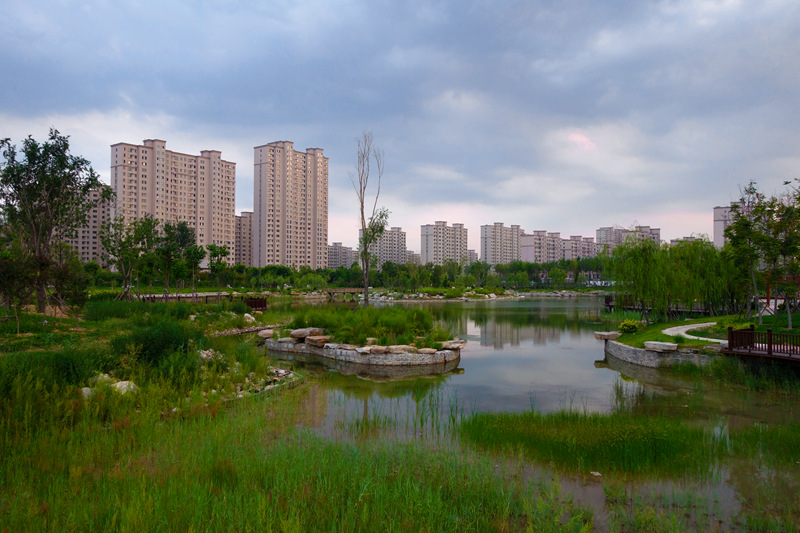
x=341, y=256
x=413, y=258
x=612, y=236
x=290, y=215
x=546, y=247
x=176, y=187
x=673, y=242
x=723, y=217
x=87, y=241
x=578, y=247
x=391, y=247
x=440, y=242
x=472, y=257
x=500, y=245
x=243, y=255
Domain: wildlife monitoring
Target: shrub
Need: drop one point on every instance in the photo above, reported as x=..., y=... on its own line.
x=239, y=308
x=630, y=326
x=153, y=341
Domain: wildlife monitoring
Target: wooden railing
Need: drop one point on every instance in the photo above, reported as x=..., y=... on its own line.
x=763, y=342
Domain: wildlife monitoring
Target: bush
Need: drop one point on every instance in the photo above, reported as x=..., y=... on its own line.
x=154, y=341
x=239, y=308
x=69, y=366
x=630, y=326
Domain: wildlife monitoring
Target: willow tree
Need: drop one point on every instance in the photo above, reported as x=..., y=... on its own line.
x=638, y=268
x=373, y=222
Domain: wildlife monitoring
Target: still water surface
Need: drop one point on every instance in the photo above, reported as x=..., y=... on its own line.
x=542, y=354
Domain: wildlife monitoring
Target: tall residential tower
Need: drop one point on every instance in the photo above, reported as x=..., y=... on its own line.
x=175, y=187
x=290, y=215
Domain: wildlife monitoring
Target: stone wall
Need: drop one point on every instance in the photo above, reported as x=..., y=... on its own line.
x=653, y=359
x=364, y=355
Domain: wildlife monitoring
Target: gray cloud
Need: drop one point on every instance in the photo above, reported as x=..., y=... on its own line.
x=552, y=115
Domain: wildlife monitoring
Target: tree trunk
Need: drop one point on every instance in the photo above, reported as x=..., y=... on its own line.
x=41, y=297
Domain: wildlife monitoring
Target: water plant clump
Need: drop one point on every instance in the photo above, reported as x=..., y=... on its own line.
x=389, y=325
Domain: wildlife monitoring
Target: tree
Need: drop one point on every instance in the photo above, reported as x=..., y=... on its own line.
x=743, y=235
x=120, y=242
x=216, y=261
x=44, y=195
x=372, y=227
x=17, y=276
x=480, y=271
x=174, y=239
x=193, y=255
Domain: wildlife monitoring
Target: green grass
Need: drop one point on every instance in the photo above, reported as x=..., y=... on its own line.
x=751, y=375
x=245, y=467
x=653, y=332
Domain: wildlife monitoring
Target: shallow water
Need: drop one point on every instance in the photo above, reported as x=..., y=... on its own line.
x=542, y=354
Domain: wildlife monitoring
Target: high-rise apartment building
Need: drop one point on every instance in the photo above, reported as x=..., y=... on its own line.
x=723, y=217
x=290, y=215
x=612, y=236
x=440, y=242
x=176, y=187
x=499, y=244
x=243, y=255
x=341, y=256
x=391, y=247
x=546, y=247
x=86, y=240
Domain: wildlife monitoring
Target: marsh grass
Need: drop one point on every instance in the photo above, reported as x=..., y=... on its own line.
x=764, y=376
x=584, y=442
x=244, y=466
x=390, y=325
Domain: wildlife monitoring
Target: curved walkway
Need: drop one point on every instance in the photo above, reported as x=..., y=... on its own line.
x=682, y=331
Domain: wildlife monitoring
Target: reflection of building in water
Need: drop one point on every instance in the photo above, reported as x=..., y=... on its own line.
x=499, y=334
x=314, y=407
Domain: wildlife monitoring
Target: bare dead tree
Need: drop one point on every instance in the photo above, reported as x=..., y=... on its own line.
x=374, y=222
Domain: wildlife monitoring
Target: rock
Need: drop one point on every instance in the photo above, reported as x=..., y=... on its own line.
x=401, y=348
x=371, y=341
x=427, y=351
x=249, y=318
x=124, y=387
x=364, y=349
x=455, y=344
x=660, y=346
x=305, y=332
x=318, y=340
x=289, y=340
x=378, y=349
x=265, y=333
x=596, y=474
x=87, y=392
x=101, y=378
x=607, y=335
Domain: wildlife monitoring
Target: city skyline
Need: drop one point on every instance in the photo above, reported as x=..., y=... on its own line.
x=566, y=117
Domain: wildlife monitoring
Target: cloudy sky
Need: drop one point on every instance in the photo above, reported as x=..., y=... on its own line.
x=563, y=115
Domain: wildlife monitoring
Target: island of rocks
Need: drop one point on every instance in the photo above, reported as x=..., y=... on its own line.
x=313, y=341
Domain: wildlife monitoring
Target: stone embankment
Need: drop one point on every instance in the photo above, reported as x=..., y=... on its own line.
x=313, y=341
x=655, y=354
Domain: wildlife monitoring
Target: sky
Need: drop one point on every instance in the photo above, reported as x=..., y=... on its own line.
x=559, y=115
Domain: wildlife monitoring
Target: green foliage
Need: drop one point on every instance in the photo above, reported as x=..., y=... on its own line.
x=391, y=325
x=153, y=341
x=44, y=197
x=65, y=367
x=630, y=326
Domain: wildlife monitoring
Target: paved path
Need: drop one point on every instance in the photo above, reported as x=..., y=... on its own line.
x=681, y=330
